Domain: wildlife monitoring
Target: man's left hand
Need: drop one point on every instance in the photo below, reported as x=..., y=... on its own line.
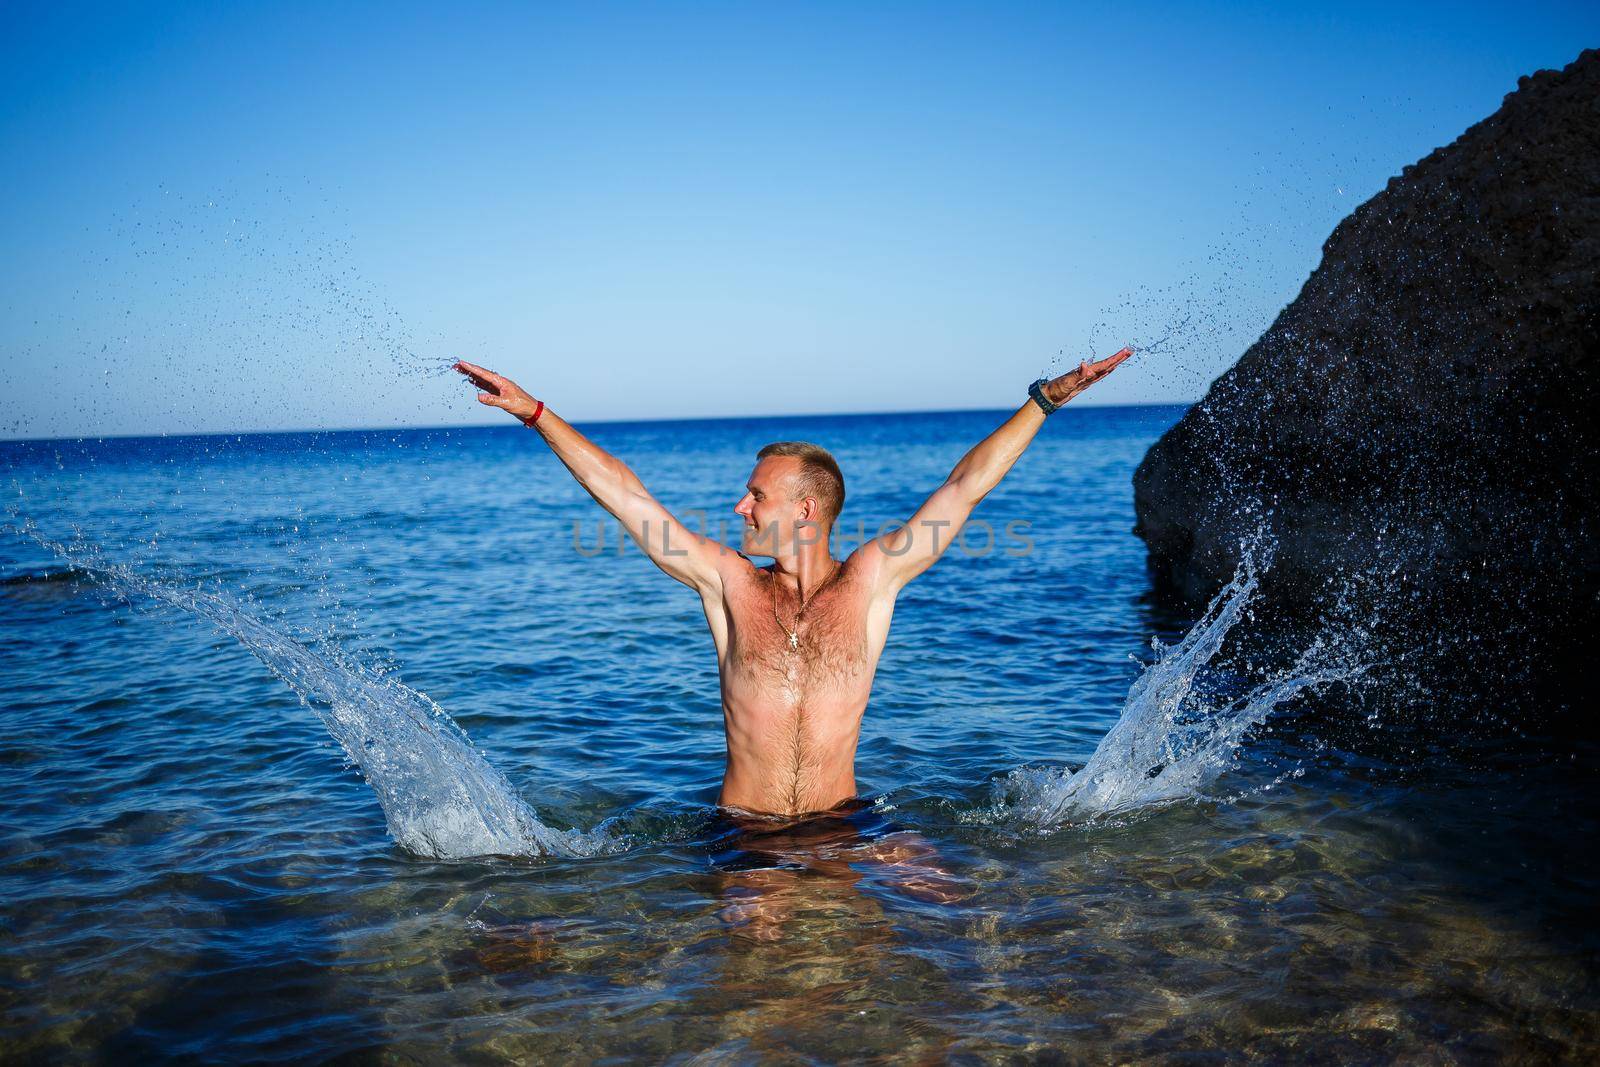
x=1060, y=390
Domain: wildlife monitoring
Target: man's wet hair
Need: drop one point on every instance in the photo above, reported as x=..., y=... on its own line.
x=819, y=474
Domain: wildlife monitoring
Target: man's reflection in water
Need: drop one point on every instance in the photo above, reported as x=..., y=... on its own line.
x=803, y=952
x=768, y=868
x=811, y=956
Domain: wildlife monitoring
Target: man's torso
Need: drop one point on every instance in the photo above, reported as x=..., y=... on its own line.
x=793, y=710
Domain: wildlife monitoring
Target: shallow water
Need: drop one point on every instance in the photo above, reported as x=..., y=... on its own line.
x=190, y=866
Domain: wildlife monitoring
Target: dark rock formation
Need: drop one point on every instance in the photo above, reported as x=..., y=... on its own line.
x=1422, y=417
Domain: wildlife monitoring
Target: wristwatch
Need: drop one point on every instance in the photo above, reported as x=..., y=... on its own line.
x=1036, y=391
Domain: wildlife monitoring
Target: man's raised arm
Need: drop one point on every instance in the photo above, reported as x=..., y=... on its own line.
x=913, y=548
x=673, y=547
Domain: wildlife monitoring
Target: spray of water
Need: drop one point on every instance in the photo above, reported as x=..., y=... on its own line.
x=440, y=797
x=1175, y=735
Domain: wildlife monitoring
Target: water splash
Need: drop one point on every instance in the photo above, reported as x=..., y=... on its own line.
x=440, y=797
x=1176, y=733
x=1178, y=730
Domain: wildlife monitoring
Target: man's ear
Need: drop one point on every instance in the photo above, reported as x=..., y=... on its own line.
x=809, y=509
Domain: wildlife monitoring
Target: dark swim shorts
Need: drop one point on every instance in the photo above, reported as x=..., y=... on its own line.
x=743, y=842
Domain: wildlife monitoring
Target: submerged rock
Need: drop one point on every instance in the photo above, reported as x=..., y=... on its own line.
x=1420, y=422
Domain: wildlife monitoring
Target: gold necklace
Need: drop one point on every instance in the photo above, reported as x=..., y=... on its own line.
x=794, y=634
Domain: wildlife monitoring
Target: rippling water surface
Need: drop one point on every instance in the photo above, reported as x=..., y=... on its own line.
x=199, y=635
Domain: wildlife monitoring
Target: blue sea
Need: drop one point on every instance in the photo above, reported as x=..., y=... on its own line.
x=381, y=745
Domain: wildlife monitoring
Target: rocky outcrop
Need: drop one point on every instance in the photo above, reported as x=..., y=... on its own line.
x=1421, y=420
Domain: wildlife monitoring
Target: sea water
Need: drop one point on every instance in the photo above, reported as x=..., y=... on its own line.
x=351, y=743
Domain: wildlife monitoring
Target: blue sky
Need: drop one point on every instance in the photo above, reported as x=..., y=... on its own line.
x=272, y=216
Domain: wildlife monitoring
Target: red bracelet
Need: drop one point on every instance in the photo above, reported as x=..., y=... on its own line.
x=531, y=419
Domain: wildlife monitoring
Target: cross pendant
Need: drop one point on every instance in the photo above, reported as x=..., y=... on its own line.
x=794, y=641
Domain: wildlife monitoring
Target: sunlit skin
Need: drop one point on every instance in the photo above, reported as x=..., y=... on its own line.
x=797, y=641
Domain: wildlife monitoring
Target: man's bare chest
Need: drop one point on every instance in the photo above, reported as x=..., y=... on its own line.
x=820, y=646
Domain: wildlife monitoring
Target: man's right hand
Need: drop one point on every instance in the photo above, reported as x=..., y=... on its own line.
x=498, y=390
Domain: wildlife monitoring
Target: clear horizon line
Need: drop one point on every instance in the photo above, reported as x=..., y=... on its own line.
x=579, y=422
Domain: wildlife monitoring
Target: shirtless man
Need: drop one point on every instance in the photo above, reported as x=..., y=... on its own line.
x=797, y=642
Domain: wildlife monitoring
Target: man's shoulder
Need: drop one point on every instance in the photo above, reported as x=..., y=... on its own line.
x=868, y=570
x=865, y=562
x=736, y=566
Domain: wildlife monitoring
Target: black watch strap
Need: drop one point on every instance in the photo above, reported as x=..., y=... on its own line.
x=1036, y=391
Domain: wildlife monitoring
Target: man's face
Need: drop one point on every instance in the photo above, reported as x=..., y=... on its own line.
x=769, y=512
